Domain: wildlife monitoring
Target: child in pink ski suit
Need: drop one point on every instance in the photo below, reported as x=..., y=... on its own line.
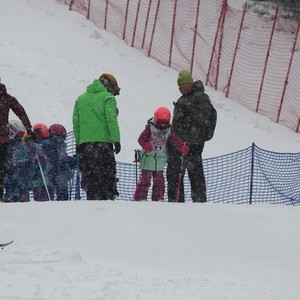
x=153, y=155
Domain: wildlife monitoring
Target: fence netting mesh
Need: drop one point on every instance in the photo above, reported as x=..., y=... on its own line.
x=253, y=59
x=248, y=176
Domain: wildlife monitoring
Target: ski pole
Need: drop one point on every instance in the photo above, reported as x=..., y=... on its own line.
x=180, y=177
x=42, y=173
x=137, y=155
x=137, y=158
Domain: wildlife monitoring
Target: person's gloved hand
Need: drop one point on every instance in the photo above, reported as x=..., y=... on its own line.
x=29, y=132
x=148, y=148
x=184, y=149
x=117, y=148
x=28, y=135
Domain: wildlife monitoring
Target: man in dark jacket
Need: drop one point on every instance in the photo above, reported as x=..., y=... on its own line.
x=191, y=114
x=8, y=102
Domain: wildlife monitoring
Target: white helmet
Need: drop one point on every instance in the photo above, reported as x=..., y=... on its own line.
x=16, y=129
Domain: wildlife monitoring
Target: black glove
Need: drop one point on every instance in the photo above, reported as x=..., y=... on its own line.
x=29, y=132
x=117, y=147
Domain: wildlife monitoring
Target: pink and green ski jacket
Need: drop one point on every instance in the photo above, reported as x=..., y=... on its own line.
x=157, y=137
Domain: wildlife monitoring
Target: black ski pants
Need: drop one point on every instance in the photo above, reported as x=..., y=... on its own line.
x=192, y=163
x=99, y=170
x=3, y=154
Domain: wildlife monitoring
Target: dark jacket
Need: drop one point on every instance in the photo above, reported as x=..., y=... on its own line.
x=8, y=102
x=190, y=115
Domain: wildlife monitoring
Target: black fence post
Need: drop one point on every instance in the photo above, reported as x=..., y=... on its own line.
x=252, y=173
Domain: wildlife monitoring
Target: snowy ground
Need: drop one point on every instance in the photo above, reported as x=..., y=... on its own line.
x=149, y=251
x=124, y=250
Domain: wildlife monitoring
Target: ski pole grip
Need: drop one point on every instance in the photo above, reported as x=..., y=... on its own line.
x=136, y=155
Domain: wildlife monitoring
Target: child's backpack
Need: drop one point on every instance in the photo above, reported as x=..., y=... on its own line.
x=211, y=125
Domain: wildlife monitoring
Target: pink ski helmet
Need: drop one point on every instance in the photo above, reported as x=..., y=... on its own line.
x=57, y=129
x=162, y=116
x=42, y=129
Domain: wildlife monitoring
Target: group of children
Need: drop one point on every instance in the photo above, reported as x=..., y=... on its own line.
x=38, y=164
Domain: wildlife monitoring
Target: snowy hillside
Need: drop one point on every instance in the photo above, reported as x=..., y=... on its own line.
x=50, y=55
x=125, y=250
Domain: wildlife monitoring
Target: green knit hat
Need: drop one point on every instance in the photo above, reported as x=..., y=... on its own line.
x=184, y=77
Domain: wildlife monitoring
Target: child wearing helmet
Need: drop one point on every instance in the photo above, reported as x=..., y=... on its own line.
x=153, y=141
x=61, y=163
x=23, y=169
x=40, y=153
x=13, y=184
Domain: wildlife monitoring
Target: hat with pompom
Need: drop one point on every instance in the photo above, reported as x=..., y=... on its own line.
x=184, y=77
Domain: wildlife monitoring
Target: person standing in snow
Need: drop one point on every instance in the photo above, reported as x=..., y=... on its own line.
x=8, y=102
x=40, y=154
x=12, y=186
x=153, y=155
x=61, y=163
x=191, y=114
x=97, y=136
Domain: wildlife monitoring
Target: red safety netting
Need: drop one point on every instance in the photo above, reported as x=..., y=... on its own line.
x=253, y=59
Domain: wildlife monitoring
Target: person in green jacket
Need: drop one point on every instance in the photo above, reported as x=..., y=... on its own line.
x=97, y=136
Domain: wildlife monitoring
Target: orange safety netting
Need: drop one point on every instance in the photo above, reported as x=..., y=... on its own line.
x=253, y=59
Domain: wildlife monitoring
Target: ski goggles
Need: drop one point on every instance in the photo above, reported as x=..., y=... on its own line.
x=163, y=123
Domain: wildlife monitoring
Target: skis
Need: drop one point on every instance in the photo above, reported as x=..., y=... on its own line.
x=5, y=244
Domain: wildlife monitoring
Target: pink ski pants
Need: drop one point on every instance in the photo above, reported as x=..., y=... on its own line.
x=158, y=189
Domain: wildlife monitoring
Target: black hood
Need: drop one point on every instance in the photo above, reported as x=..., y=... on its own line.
x=151, y=121
x=2, y=89
x=198, y=87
